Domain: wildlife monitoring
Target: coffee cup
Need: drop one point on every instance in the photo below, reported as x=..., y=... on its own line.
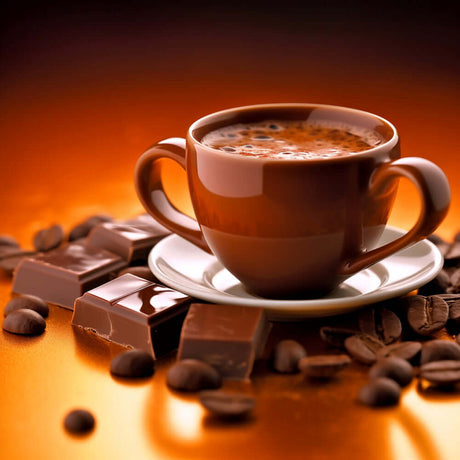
x=291, y=198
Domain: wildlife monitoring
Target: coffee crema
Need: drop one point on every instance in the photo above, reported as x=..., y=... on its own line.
x=291, y=139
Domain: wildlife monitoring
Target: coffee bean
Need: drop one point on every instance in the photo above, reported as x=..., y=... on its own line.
x=438, y=350
x=440, y=284
x=24, y=322
x=286, y=356
x=336, y=336
x=132, y=364
x=380, y=323
x=9, y=263
x=8, y=240
x=323, y=366
x=409, y=351
x=363, y=347
x=455, y=282
x=426, y=315
x=227, y=405
x=142, y=271
x=440, y=243
x=445, y=372
x=452, y=257
x=79, y=421
x=79, y=231
x=397, y=369
x=26, y=301
x=381, y=391
x=97, y=219
x=192, y=375
x=48, y=238
x=454, y=308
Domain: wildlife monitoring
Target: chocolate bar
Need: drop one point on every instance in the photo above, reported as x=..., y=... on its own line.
x=229, y=337
x=135, y=313
x=132, y=239
x=65, y=273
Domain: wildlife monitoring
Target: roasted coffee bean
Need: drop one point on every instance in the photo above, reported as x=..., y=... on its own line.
x=457, y=236
x=97, y=219
x=323, y=366
x=454, y=308
x=426, y=315
x=455, y=282
x=8, y=240
x=79, y=421
x=142, y=271
x=363, y=347
x=286, y=356
x=11, y=261
x=132, y=364
x=24, y=322
x=193, y=375
x=440, y=284
x=381, y=391
x=445, y=372
x=26, y=301
x=439, y=350
x=380, y=323
x=336, y=336
x=397, y=369
x=48, y=238
x=409, y=351
x=452, y=257
x=225, y=404
x=79, y=231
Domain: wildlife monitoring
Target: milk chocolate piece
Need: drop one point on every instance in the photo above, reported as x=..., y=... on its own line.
x=65, y=273
x=135, y=313
x=228, y=337
x=132, y=239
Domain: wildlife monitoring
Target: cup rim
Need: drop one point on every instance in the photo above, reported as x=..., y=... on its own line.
x=390, y=143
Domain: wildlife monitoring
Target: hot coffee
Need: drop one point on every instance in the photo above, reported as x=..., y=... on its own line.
x=291, y=139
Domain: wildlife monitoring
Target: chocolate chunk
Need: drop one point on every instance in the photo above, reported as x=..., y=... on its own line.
x=225, y=404
x=381, y=323
x=24, y=322
x=48, y=238
x=131, y=240
x=408, y=350
x=10, y=261
x=142, y=271
x=132, y=364
x=79, y=421
x=336, y=336
x=363, y=347
x=323, y=366
x=29, y=302
x=438, y=350
x=426, y=315
x=397, y=369
x=193, y=375
x=379, y=392
x=286, y=356
x=134, y=312
x=8, y=240
x=63, y=274
x=445, y=372
x=228, y=337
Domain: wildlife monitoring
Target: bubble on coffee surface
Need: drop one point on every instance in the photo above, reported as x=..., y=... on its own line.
x=292, y=139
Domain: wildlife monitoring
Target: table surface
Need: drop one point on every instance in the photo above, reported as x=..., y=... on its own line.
x=84, y=90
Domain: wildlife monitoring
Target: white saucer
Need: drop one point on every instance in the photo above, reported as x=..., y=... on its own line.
x=186, y=268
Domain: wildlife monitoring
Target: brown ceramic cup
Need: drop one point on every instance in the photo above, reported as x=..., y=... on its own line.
x=291, y=228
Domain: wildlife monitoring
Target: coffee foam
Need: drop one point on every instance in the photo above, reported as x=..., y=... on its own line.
x=292, y=139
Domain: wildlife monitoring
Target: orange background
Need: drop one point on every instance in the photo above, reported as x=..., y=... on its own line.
x=85, y=88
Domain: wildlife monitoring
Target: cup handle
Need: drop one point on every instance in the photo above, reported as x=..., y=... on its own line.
x=149, y=188
x=434, y=189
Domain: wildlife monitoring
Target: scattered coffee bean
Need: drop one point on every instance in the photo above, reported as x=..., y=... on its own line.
x=26, y=301
x=224, y=404
x=441, y=283
x=82, y=229
x=363, y=347
x=397, y=369
x=438, y=350
x=24, y=322
x=452, y=257
x=142, y=271
x=48, y=238
x=192, y=375
x=381, y=391
x=409, y=351
x=9, y=262
x=8, y=240
x=286, y=356
x=455, y=282
x=426, y=315
x=79, y=421
x=440, y=243
x=454, y=308
x=132, y=364
x=323, y=366
x=97, y=219
x=380, y=323
x=445, y=372
x=336, y=336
